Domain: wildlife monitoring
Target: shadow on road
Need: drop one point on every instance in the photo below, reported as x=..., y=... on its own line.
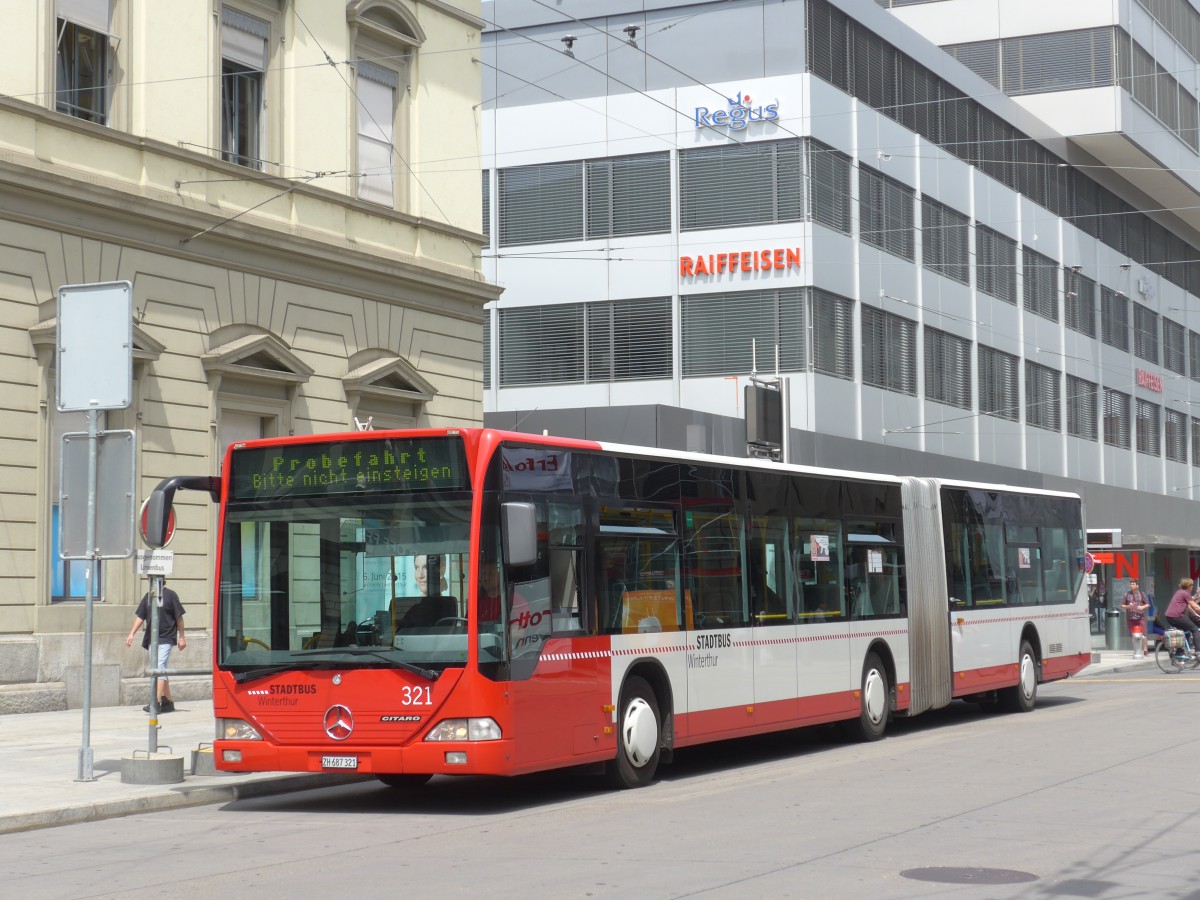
x=472, y=795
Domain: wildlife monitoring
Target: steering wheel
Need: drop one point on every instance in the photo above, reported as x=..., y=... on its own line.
x=457, y=621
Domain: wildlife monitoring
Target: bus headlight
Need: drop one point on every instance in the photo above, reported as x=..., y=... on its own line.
x=465, y=730
x=236, y=730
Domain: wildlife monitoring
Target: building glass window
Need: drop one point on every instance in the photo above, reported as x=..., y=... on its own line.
x=243, y=68
x=486, y=186
x=526, y=332
x=1080, y=303
x=768, y=178
x=1043, y=401
x=541, y=204
x=832, y=334
x=1041, y=284
x=1116, y=419
x=1114, y=318
x=629, y=340
x=1081, y=408
x=83, y=59
x=945, y=237
x=628, y=195
x=828, y=191
x=1176, y=435
x=998, y=384
x=1145, y=333
x=1194, y=356
x=1195, y=441
x=376, y=123
x=718, y=331
x=947, y=368
x=889, y=351
x=1174, y=355
x=1149, y=436
x=487, y=349
x=885, y=209
x=995, y=264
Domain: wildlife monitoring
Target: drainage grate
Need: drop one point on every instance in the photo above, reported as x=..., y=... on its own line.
x=961, y=875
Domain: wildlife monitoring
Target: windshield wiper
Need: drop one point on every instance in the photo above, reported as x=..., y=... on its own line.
x=428, y=674
x=254, y=674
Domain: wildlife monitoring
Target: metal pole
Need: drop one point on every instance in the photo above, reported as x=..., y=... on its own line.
x=785, y=447
x=155, y=596
x=85, y=771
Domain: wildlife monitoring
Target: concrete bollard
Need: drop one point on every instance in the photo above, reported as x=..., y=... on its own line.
x=143, y=767
x=203, y=761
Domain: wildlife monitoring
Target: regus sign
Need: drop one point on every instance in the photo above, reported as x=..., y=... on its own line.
x=737, y=115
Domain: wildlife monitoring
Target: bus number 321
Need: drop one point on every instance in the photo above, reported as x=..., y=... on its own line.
x=420, y=695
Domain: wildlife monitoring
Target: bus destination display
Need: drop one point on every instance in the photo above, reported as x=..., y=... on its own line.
x=348, y=467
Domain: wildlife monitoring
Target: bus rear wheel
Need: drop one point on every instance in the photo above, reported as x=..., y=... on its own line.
x=1022, y=696
x=875, y=702
x=639, y=736
x=403, y=782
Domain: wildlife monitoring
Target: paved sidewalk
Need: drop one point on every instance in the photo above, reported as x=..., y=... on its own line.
x=1105, y=662
x=39, y=762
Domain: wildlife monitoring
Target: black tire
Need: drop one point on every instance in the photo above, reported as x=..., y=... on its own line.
x=1022, y=696
x=404, y=782
x=1165, y=658
x=639, y=736
x=876, y=702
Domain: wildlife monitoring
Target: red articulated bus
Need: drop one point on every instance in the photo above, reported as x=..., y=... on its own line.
x=472, y=601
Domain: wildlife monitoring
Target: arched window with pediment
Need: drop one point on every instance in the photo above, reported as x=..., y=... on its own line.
x=385, y=38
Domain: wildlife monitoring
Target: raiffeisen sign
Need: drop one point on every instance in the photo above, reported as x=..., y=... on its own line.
x=765, y=260
x=737, y=115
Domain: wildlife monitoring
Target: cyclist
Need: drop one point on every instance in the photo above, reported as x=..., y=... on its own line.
x=1180, y=610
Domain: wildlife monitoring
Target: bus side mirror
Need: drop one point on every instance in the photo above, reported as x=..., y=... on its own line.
x=519, y=533
x=158, y=514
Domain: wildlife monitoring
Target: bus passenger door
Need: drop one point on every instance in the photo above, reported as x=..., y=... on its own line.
x=769, y=578
x=553, y=687
x=720, y=649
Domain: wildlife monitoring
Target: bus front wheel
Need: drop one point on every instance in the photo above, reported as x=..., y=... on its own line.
x=1023, y=695
x=875, y=702
x=638, y=736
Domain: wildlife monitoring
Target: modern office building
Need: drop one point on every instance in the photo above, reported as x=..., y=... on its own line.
x=966, y=235
x=283, y=184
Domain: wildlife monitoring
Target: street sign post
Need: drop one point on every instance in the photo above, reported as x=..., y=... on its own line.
x=114, y=496
x=94, y=360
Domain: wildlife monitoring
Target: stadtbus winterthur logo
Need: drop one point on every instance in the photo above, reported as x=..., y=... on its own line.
x=740, y=113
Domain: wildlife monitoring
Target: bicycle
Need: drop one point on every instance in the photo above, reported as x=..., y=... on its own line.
x=1175, y=652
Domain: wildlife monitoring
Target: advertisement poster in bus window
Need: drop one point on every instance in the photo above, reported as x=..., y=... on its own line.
x=536, y=469
x=874, y=562
x=818, y=546
x=529, y=618
x=1023, y=557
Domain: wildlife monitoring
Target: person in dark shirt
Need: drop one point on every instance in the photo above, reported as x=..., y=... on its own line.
x=170, y=634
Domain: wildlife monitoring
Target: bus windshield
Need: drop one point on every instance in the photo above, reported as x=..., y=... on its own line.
x=312, y=582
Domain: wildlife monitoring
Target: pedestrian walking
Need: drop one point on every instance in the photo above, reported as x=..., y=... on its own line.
x=170, y=634
x=1135, y=605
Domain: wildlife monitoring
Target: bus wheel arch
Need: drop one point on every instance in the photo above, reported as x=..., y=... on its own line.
x=644, y=726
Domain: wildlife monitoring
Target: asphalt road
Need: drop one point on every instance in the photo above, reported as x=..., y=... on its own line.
x=1088, y=796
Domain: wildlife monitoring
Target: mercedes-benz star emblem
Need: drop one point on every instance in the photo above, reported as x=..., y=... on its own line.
x=338, y=722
